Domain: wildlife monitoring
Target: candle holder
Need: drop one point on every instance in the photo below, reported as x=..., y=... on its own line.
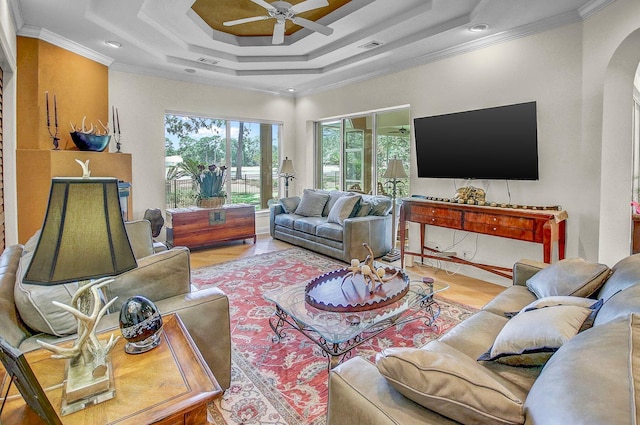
x=116, y=137
x=54, y=137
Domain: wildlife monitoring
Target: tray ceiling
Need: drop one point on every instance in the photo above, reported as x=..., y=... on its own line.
x=183, y=39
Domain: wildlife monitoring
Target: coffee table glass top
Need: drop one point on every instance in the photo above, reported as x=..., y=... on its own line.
x=337, y=327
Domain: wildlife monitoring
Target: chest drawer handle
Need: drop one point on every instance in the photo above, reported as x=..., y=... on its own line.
x=495, y=219
x=495, y=228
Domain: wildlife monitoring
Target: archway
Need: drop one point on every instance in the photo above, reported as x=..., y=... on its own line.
x=617, y=149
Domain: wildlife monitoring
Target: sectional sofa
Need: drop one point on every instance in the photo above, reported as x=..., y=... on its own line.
x=561, y=346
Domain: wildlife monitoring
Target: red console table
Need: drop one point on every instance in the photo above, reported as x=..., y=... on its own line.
x=532, y=225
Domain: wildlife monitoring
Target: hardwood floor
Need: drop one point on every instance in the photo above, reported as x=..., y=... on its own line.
x=462, y=289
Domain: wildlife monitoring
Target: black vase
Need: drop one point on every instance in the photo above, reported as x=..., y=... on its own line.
x=140, y=324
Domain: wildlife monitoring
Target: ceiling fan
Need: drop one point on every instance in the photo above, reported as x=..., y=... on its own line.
x=281, y=11
x=401, y=130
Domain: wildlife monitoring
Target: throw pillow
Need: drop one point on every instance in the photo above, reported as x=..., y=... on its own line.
x=334, y=195
x=312, y=203
x=589, y=303
x=289, y=205
x=34, y=303
x=380, y=205
x=531, y=337
x=451, y=384
x=572, y=276
x=364, y=208
x=343, y=208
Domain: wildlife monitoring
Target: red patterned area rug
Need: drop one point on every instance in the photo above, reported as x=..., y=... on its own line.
x=285, y=382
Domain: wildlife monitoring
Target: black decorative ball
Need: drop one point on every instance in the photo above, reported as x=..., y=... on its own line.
x=140, y=324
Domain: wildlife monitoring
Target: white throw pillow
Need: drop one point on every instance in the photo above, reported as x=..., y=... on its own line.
x=343, y=208
x=531, y=337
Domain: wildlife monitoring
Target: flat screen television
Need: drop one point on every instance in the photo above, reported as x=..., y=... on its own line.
x=493, y=143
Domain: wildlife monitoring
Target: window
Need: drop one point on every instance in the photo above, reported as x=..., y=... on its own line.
x=353, y=152
x=249, y=151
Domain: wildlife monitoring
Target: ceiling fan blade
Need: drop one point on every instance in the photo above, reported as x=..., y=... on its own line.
x=245, y=20
x=308, y=5
x=263, y=4
x=278, y=33
x=314, y=26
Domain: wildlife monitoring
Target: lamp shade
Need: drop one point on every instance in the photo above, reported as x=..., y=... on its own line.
x=286, y=169
x=83, y=235
x=395, y=170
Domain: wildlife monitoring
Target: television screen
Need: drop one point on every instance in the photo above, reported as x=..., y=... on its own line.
x=492, y=143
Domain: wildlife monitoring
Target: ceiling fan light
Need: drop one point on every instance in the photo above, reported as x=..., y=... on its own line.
x=114, y=44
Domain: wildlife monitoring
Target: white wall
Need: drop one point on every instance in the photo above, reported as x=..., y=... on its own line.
x=142, y=102
x=612, y=53
x=563, y=70
x=8, y=54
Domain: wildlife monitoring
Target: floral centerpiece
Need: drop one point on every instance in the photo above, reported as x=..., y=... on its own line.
x=208, y=181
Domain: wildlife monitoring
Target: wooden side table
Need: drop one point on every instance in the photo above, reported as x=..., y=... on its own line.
x=168, y=385
x=200, y=227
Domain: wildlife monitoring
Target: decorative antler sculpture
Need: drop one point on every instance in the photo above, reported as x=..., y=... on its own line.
x=87, y=348
x=370, y=274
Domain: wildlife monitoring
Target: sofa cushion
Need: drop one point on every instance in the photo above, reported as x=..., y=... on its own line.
x=448, y=382
x=286, y=220
x=308, y=224
x=331, y=231
x=380, y=205
x=34, y=302
x=510, y=300
x=621, y=304
x=529, y=338
x=572, y=276
x=592, y=379
x=625, y=273
x=312, y=203
x=290, y=204
x=343, y=208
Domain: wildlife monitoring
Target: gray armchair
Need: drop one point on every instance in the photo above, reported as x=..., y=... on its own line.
x=163, y=277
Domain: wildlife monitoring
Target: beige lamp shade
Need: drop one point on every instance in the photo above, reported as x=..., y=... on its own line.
x=286, y=169
x=83, y=235
x=395, y=170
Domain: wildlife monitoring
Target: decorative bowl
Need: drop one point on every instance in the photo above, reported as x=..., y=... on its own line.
x=90, y=142
x=140, y=324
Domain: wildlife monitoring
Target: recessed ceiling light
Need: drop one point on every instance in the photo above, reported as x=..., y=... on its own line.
x=190, y=70
x=479, y=27
x=291, y=90
x=113, y=44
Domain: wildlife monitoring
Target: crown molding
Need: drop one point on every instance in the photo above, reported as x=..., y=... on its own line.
x=593, y=7
x=64, y=43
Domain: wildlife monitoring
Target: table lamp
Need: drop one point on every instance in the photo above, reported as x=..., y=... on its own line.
x=83, y=239
x=288, y=172
x=395, y=172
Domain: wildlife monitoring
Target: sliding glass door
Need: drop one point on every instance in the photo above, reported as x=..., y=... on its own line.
x=353, y=152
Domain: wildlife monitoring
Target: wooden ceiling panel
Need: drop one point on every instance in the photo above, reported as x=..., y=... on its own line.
x=215, y=12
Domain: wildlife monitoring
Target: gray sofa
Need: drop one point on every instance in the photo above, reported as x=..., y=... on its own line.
x=27, y=315
x=591, y=379
x=334, y=223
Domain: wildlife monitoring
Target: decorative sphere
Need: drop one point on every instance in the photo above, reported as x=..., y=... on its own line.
x=140, y=324
x=355, y=262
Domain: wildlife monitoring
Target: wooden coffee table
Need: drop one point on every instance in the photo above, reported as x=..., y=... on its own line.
x=170, y=384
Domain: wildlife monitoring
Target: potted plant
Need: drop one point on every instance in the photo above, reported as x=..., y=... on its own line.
x=208, y=182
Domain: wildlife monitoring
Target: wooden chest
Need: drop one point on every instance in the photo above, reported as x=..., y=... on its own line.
x=199, y=227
